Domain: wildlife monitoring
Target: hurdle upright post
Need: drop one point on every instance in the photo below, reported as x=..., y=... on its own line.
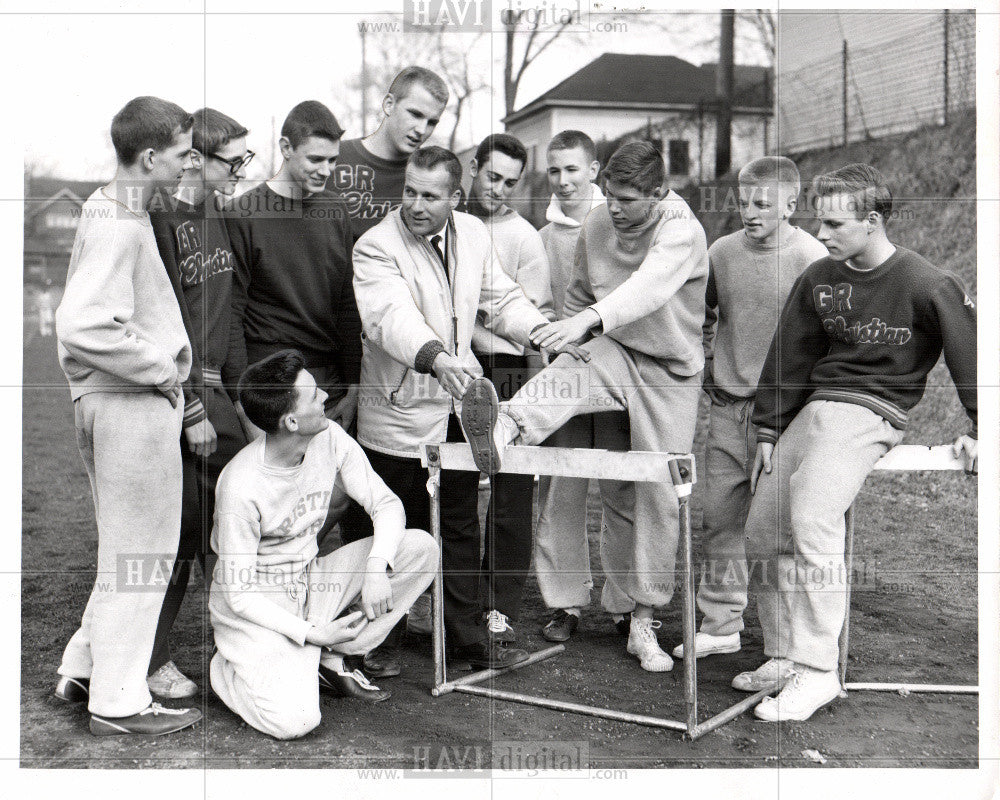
x=437, y=592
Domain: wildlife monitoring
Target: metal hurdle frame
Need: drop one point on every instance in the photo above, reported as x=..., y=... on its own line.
x=902, y=458
x=677, y=469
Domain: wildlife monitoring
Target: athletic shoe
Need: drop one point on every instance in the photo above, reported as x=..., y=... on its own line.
x=73, y=690
x=808, y=690
x=561, y=627
x=767, y=674
x=420, y=620
x=498, y=626
x=643, y=645
x=350, y=684
x=705, y=644
x=480, y=413
x=480, y=655
x=154, y=720
x=624, y=625
x=170, y=683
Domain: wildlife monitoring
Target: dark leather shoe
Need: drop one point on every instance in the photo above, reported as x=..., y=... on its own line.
x=73, y=690
x=481, y=655
x=382, y=662
x=155, y=720
x=623, y=626
x=560, y=627
x=350, y=684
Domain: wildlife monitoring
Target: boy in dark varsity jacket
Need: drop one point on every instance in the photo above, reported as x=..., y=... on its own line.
x=193, y=242
x=370, y=172
x=292, y=242
x=857, y=338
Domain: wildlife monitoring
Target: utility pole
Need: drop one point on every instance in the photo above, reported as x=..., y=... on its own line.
x=724, y=94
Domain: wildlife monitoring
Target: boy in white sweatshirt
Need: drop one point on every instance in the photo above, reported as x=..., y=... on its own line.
x=637, y=300
x=562, y=552
x=125, y=352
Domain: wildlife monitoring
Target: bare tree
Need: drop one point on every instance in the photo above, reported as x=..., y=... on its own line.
x=758, y=26
x=514, y=68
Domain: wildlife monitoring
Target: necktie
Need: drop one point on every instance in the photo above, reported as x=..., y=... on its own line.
x=436, y=241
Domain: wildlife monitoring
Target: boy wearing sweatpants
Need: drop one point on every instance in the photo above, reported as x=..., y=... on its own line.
x=750, y=274
x=639, y=288
x=859, y=335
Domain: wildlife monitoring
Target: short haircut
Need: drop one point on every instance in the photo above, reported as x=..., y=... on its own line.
x=267, y=388
x=310, y=118
x=213, y=130
x=637, y=164
x=862, y=182
x=771, y=169
x=502, y=143
x=433, y=156
x=146, y=122
x=567, y=140
x=431, y=81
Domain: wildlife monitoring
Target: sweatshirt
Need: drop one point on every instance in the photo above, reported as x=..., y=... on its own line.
x=295, y=260
x=647, y=285
x=267, y=518
x=748, y=284
x=522, y=257
x=869, y=338
x=370, y=186
x=119, y=327
x=194, y=245
x=559, y=238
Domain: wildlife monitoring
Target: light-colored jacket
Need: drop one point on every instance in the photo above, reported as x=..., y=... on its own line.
x=405, y=301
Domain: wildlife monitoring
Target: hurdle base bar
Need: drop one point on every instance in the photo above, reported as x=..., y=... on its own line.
x=576, y=708
x=485, y=674
x=731, y=713
x=912, y=688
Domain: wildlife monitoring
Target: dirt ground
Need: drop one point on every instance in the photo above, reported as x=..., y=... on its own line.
x=913, y=619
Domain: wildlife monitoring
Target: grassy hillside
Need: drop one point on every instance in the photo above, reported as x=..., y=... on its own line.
x=932, y=173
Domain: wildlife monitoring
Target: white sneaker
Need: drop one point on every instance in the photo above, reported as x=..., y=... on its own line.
x=420, y=620
x=499, y=627
x=769, y=673
x=705, y=644
x=642, y=644
x=808, y=690
x=170, y=683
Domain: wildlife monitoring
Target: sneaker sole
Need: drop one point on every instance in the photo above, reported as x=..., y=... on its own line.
x=174, y=694
x=802, y=717
x=713, y=651
x=480, y=409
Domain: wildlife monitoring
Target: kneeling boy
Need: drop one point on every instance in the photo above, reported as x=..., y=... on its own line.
x=279, y=613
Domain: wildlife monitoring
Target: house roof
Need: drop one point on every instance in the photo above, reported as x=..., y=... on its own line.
x=625, y=80
x=44, y=189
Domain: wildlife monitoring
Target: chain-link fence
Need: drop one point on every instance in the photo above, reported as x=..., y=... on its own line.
x=922, y=78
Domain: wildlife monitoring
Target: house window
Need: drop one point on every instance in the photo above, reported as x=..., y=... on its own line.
x=680, y=162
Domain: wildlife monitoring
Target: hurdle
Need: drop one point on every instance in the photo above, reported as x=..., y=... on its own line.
x=673, y=468
x=909, y=458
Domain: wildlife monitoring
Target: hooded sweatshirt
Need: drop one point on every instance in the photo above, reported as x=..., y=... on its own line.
x=559, y=238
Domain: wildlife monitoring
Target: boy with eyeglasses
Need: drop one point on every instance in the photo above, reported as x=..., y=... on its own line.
x=194, y=245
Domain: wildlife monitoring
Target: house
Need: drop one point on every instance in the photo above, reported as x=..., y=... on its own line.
x=51, y=213
x=664, y=98
x=851, y=74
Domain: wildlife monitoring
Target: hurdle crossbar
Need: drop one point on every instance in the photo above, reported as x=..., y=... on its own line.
x=675, y=469
x=909, y=458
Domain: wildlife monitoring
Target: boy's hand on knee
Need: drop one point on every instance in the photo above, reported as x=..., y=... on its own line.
x=761, y=461
x=967, y=449
x=342, y=629
x=376, y=591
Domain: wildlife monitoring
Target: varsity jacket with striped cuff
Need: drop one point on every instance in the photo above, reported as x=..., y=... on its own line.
x=868, y=338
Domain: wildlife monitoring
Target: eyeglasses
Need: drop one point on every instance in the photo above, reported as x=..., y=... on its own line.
x=237, y=163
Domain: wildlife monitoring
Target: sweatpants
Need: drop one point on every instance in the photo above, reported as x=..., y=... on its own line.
x=197, y=509
x=725, y=485
x=796, y=529
x=460, y=531
x=562, y=551
x=271, y=681
x=507, y=552
x=662, y=411
x=129, y=442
